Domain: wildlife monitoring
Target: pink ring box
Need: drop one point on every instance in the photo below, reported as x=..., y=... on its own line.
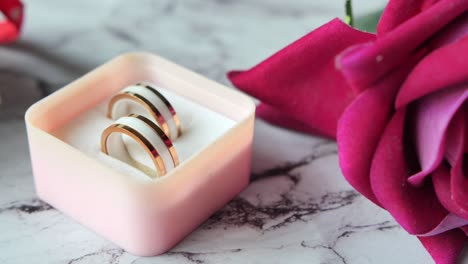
x=143, y=216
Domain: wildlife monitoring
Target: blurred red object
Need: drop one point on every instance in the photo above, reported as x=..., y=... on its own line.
x=13, y=10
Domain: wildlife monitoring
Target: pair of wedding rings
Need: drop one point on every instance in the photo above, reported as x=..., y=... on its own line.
x=153, y=131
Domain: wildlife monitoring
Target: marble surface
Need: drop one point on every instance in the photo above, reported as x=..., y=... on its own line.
x=297, y=209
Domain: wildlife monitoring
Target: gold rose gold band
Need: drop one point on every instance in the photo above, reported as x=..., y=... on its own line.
x=150, y=149
x=168, y=105
x=146, y=98
x=142, y=101
x=163, y=136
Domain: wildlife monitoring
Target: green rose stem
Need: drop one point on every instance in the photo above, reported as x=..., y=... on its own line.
x=349, y=13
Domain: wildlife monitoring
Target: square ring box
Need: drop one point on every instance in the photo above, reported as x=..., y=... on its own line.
x=145, y=216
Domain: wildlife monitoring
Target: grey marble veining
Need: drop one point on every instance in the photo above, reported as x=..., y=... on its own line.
x=297, y=209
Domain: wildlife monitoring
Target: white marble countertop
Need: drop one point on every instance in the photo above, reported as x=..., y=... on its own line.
x=298, y=208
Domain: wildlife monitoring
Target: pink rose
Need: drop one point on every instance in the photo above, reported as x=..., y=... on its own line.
x=397, y=103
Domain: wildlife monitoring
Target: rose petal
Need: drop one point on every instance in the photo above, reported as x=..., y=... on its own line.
x=443, y=188
x=301, y=80
x=446, y=247
x=417, y=210
x=459, y=183
x=361, y=126
x=450, y=222
x=432, y=116
x=276, y=117
x=363, y=64
x=456, y=148
x=456, y=138
x=398, y=11
x=442, y=68
x=465, y=229
x=442, y=180
x=451, y=33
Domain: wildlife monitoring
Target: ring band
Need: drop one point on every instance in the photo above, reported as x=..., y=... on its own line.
x=154, y=103
x=148, y=135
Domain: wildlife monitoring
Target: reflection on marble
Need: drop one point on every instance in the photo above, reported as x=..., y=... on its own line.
x=297, y=209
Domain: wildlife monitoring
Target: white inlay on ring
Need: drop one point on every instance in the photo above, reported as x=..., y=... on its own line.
x=158, y=103
x=152, y=136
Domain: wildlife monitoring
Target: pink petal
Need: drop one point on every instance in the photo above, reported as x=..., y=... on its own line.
x=276, y=117
x=456, y=142
x=432, y=116
x=465, y=229
x=442, y=182
x=446, y=247
x=361, y=126
x=301, y=80
x=442, y=68
x=362, y=65
x=450, y=222
x=456, y=137
x=417, y=210
x=452, y=187
x=451, y=33
x=398, y=11
x=441, y=178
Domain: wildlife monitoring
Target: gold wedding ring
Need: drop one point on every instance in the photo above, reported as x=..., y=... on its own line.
x=148, y=135
x=153, y=102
